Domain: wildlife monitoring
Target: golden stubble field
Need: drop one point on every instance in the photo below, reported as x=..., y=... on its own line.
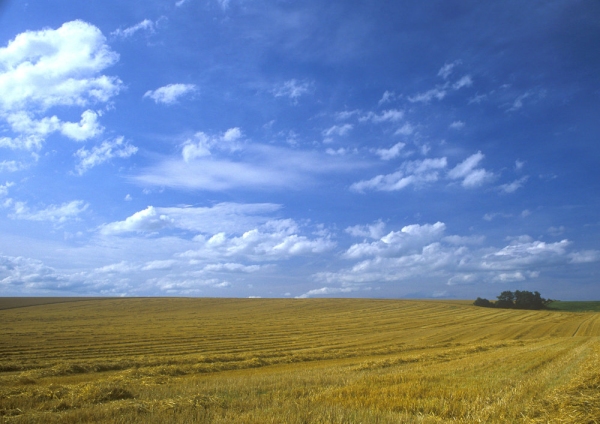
x=157, y=360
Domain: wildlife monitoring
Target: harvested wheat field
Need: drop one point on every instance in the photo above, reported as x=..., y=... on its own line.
x=158, y=360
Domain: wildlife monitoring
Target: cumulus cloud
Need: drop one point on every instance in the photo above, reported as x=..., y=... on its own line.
x=147, y=220
x=170, y=94
x=408, y=238
x=423, y=252
x=415, y=173
x=108, y=150
x=274, y=240
x=32, y=132
x=202, y=144
x=25, y=275
x=291, y=89
x=54, y=67
x=468, y=172
x=53, y=213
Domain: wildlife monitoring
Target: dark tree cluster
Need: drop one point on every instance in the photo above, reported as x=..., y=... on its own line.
x=515, y=300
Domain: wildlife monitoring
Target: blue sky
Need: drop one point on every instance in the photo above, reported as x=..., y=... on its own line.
x=299, y=149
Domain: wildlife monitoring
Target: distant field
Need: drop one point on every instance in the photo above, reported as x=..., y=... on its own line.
x=576, y=306
x=21, y=302
x=296, y=361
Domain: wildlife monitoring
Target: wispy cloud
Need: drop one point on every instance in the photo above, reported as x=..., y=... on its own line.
x=514, y=186
x=108, y=150
x=392, y=152
x=392, y=115
x=416, y=173
x=145, y=25
x=340, y=130
x=469, y=173
x=292, y=89
x=53, y=213
x=260, y=167
x=222, y=217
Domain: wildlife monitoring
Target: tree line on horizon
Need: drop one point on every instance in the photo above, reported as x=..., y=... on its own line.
x=515, y=300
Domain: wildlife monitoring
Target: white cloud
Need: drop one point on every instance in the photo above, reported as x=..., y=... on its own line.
x=465, y=81
x=409, y=238
x=391, y=153
x=457, y=125
x=32, y=276
x=202, y=144
x=340, y=130
x=585, y=256
x=56, y=67
x=273, y=240
x=514, y=186
x=447, y=69
x=521, y=254
x=148, y=220
x=406, y=129
x=116, y=148
x=387, y=97
x=232, y=267
x=11, y=165
x=222, y=217
x=346, y=114
x=374, y=230
x=87, y=128
x=159, y=265
x=170, y=94
x=145, y=25
x=392, y=115
x=292, y=89
x=339, y=152
x=417, y=173
x=422, y=253
x=4, y=188
x=260, y=167
x=435, y=93
x=53, y=213
x=518, y=103
x=42, y=69
x=32, y=132
x=469, y=173
x=326, y=291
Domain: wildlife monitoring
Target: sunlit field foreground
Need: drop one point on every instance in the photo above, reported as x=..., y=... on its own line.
x=295, y=361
